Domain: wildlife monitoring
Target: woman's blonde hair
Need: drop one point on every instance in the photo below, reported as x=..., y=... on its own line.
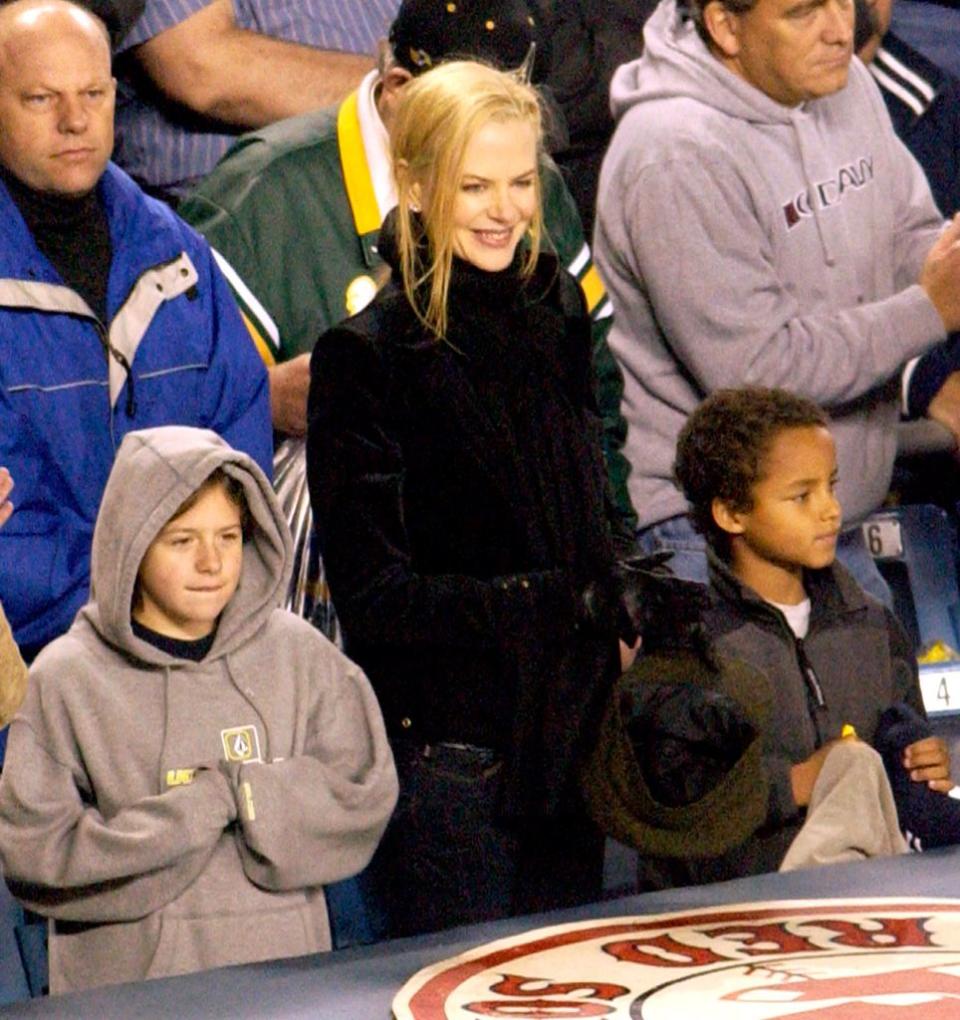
x=438, y=114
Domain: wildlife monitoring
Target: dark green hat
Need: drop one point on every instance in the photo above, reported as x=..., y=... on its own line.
x=659, y=723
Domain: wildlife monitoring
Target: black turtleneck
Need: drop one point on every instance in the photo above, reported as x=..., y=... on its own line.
x=528, y=365
x=72, y=233
x=194, y=651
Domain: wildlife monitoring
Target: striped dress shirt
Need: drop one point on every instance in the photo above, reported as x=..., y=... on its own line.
x=170, y=150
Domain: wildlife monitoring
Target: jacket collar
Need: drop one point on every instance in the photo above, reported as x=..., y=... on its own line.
x=832, y=592
x=148, y=268
x=132, y=217
x=363, y=155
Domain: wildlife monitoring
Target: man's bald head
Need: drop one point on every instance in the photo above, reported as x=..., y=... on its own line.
x=56, y=95
x=33, y=14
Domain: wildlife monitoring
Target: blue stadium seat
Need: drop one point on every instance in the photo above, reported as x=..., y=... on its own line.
x=916, y=551
x=23, y=957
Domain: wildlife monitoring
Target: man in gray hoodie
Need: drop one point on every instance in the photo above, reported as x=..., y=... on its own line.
x=759, y=222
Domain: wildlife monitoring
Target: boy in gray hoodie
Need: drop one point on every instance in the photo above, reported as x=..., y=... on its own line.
x=192, y=764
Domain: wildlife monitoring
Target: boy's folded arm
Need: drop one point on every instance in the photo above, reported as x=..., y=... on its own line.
x=317, y=817
x=63, y=858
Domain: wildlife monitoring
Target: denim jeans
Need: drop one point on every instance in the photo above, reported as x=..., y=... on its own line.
x=677, y=535
x=448, y=858
x=689, y=547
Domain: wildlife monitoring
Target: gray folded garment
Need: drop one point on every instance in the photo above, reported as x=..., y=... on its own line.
x=852, y=813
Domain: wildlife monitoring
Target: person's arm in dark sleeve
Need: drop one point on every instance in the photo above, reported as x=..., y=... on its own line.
x=355, y=472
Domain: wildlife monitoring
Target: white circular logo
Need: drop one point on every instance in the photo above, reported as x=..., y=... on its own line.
x=829, y=959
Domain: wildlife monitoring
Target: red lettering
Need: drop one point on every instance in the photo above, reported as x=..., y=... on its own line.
x=540, y=1009
x=513, y=984
x=880, y=932
x=662, y=951
x=763, y=939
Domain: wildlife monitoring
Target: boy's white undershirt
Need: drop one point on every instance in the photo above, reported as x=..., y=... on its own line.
x=798, y=616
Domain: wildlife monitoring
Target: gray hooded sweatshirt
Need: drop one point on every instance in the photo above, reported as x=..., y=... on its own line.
x=170, y=815
x=743, y=241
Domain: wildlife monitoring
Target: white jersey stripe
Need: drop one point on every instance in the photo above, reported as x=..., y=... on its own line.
x=915, y=104
x=576, y=266
x=249, y=299
x=910, y=76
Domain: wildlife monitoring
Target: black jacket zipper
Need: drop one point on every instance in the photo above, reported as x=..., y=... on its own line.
x=816, y=703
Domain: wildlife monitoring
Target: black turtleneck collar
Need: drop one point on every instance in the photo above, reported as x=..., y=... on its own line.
x=72, y=232
x=193, y=651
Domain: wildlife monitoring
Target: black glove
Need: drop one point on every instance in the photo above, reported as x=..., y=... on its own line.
x=658, y=603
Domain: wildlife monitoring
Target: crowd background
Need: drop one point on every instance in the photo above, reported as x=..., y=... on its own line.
x=286, y=134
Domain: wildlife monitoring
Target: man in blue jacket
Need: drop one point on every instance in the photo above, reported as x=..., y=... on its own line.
x=113, y=314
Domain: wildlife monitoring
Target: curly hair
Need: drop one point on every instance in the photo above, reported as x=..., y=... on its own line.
x=722, y=446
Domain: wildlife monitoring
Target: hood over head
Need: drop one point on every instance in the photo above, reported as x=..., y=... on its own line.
x=154, y=472
x=677, y=63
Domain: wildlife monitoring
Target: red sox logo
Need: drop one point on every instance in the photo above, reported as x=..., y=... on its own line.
x=833, y=960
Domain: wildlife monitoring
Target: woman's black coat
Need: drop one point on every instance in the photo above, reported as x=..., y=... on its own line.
x=460, y=496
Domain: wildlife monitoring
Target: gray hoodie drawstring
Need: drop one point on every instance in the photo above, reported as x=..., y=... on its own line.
x=166, y=726
x=828, y=256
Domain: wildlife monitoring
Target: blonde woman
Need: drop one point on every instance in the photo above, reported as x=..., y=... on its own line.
x=458, y=485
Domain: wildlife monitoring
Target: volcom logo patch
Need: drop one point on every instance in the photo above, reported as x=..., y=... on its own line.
x=826, y=194
x=240, y=743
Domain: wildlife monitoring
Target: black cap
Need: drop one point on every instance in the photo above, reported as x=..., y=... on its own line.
x=500, y=32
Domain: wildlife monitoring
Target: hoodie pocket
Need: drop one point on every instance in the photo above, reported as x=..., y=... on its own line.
x=82, y=956
x=199, y=943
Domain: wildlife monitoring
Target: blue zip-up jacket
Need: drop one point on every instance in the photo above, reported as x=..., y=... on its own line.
x=67, y=398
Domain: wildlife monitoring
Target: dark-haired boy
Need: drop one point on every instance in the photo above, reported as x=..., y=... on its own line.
x=758, y=467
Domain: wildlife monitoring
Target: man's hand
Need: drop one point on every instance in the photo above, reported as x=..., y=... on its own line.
x=940, y=275
x=6, y=485
x=945, y=406
x=289, y=386
x=928, y=761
